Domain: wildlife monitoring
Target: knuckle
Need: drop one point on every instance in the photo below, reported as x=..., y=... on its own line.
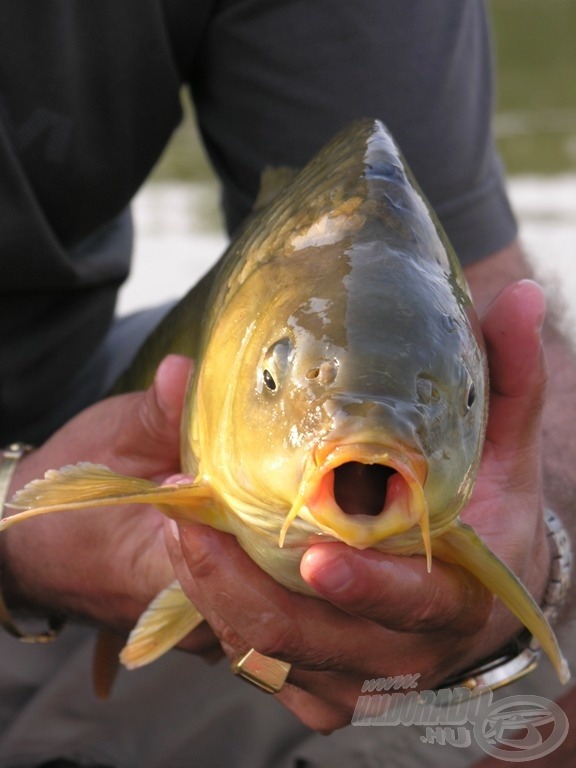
x=229, y=638
x=197, y=552
x=464, y=603
x=280, y=641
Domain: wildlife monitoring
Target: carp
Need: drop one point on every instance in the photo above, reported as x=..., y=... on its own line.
x=339, y=391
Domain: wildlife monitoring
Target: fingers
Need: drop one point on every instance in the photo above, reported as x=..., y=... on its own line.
x=397, y=592
x=147, y=428
x=159, y=412
x=248, y=609
x=170, y=384
x=245, y=606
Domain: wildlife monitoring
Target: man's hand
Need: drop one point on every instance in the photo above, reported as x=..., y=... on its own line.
x=104, y=565
x=385, y=616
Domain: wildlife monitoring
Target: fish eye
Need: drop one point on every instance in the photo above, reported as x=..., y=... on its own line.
x=470, y=396
x=269, y=381
x=276, y=365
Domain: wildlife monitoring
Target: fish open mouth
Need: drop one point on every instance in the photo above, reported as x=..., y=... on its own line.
x=362, y=489
x=363, y=494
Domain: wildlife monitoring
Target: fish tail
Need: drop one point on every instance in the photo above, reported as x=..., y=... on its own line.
x=461, y=545
x=85, y=485
x=167, y=620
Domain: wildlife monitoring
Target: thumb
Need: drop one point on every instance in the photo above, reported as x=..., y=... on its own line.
x=165, y=397
x=150, y=424
x=512, y=330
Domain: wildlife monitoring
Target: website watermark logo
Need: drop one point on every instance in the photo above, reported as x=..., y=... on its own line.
x=515, y=729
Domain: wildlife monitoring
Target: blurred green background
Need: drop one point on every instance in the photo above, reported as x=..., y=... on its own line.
x=535, y=120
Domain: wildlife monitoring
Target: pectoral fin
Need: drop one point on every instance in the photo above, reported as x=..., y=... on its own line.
x=166, y=621
x=461, y=545
x=92, y=485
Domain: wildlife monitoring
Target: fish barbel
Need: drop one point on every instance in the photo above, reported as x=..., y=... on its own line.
x=339, y=391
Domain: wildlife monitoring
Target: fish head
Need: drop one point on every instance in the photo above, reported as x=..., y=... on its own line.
x=355, y=381
x=395, y=455
x=370, y=401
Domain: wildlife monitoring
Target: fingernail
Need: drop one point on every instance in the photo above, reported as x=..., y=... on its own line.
x=174, y=530
x=162, y=384
x=538, y=298
x=328, y=575
x=170, y=383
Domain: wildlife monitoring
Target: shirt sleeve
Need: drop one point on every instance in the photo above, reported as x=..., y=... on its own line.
x=274, y=81
x=89, y=96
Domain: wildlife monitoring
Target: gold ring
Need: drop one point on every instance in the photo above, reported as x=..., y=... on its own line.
x=262, y=671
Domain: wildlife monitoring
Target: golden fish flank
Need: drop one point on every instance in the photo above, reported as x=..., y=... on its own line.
x=339, y=389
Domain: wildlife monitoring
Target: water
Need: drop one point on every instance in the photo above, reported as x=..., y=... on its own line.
x=546, y=207
x=175, y=247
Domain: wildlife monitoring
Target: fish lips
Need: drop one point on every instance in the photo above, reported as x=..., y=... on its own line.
x=362, y=493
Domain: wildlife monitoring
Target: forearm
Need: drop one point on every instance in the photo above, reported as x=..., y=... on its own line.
x=486, y=279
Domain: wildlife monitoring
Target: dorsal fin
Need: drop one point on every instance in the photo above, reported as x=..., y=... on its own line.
x=272, y=182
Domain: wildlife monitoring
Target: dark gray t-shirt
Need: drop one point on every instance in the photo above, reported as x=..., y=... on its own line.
x=89, y=97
